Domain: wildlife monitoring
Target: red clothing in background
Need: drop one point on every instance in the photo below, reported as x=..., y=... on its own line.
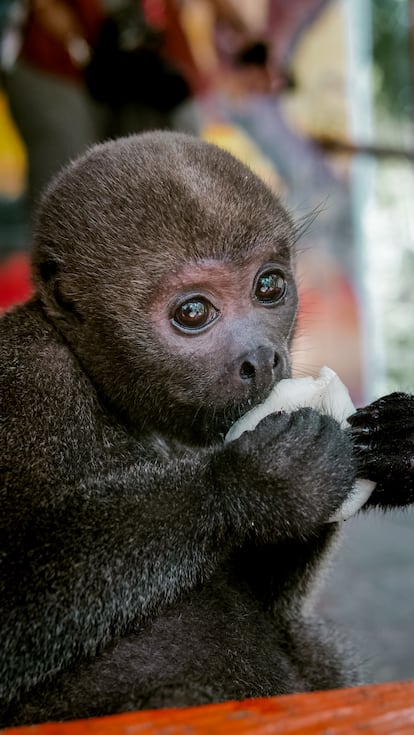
x=43, y=50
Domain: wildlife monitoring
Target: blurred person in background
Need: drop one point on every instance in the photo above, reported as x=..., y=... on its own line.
x=78, y=71
x=236, y=43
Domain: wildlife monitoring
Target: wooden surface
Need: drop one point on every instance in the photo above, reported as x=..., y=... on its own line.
x=372, y=710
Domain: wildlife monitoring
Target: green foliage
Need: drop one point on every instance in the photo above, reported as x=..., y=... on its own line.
x=393, y=56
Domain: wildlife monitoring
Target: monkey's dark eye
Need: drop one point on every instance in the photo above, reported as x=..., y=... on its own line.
x=270, y=287
x=194, y=314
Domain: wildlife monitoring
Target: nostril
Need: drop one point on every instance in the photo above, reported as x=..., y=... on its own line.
x=247, y=370
x=276, y=360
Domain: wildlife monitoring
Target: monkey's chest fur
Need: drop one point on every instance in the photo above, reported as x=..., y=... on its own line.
x=237, y=636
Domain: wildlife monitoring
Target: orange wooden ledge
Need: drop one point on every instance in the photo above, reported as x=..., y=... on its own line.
x=371, y=710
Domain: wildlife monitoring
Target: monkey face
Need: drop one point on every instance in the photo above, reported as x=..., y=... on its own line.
x=167, y=266
x=224, y=332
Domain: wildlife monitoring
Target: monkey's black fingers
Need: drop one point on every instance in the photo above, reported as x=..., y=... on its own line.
x=362, y=431
x=390, y=464
x=364, y=421
x=390, y=441
x=395, y=409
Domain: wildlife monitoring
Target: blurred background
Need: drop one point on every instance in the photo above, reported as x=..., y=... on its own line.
x=317, y=97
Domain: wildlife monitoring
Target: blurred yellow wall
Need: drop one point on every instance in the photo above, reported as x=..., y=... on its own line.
x=12, y=155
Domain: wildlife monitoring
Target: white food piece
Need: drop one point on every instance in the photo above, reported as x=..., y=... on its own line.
x=326, y=394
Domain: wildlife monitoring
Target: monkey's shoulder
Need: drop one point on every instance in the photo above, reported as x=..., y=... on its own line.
x=50, y=413
x=36, y=365
x=24, y=333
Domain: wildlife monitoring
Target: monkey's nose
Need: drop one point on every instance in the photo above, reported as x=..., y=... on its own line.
x=258, y=366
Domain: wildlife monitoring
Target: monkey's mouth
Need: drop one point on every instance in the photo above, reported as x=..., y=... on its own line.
x=212, y=424
x=208, y=422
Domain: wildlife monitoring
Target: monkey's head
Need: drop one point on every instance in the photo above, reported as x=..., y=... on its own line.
x=167, y=266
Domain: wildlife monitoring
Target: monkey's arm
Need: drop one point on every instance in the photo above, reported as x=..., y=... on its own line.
x=115, y=547
x=383, y=437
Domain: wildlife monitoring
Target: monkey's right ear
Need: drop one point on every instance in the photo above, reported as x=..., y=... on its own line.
x=50, y=271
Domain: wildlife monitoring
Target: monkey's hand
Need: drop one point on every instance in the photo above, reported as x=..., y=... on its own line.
x=383, y=437
x=328, y=395
x=295, y=469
